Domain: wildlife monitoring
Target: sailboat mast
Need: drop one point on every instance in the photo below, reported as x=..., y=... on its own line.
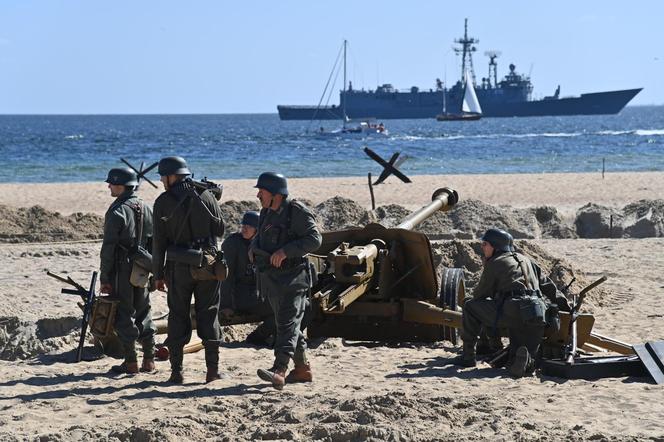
x=344, y=106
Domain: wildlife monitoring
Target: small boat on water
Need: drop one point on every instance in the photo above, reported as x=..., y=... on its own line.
x=365, y=128
x=470, y=107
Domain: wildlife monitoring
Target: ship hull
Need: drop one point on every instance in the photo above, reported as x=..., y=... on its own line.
x=404, y=105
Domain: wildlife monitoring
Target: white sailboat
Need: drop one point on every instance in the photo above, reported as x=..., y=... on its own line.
x=470, y=107
x=367, y=126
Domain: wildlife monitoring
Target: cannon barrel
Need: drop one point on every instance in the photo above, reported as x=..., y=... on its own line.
x=442, y=199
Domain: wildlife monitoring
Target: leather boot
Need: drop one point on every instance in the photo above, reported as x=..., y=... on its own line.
x=300, y=373
x=148, y=365
x=275, y=375
x=126, y=368
x=521, y=364
x=213, y=374
x=129, y=366
x=148, y=355
x=176, y=378
x=176, y=357
x=467, y=358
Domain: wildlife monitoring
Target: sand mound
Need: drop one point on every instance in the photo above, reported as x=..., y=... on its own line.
x=339, y=213
x=36, y=224
x=641, y=219
x=24, y=340
x=468, y=220
x=389, y=216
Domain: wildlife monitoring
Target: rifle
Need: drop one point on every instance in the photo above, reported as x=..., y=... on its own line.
x=88, y=296
x=216, y=189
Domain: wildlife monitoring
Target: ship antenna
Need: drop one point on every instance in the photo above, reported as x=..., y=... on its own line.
x=466, y=50
x=493, y=66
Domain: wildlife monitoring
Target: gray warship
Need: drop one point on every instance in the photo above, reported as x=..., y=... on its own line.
x=509, y=97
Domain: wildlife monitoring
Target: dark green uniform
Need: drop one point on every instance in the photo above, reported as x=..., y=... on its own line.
x=133, y=320
x=184, y=220
x=292, y=228
x=238, y=290
x=498, y=301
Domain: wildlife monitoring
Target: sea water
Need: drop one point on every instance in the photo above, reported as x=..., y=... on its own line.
x=68, y=148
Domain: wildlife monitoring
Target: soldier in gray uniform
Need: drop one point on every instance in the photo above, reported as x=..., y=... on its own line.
x=512, y=294
x=239, y=294
x=126, y=219
x=186, y=224
x=287, y=232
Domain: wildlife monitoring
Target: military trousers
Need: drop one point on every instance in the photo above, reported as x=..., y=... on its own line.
x=181, y=288
x=133, y=318
x=487, y=313
x=287, y=291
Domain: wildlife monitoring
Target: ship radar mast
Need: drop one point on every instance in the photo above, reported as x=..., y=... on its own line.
x=466, y=50
x=493, y=67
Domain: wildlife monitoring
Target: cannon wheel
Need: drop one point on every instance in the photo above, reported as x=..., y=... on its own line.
x=452, y=293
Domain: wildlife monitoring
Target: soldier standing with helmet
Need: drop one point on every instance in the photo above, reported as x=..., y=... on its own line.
x=287, y=232
x=127, y=225
x=186, y=224
x=512, y=293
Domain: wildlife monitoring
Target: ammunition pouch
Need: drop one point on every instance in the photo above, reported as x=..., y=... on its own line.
x=141, y=267
x=102, y=319
x=139, y=277
x=185, y=255
x=140, y=256
x=213, y=267
x=532, y=310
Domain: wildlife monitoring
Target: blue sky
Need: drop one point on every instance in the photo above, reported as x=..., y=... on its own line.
x=148, y=56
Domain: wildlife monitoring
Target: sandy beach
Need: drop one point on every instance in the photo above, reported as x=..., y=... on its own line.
x=361, y=391
x=565, y=191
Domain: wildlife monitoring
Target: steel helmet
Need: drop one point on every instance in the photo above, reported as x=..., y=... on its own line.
x=273, y=183
x=122, y=176
x=250, y=218
x=173, y=166
x=499, y=239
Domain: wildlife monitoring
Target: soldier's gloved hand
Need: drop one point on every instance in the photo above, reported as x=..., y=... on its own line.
x=277, y=258
x=106, y=288
x=161, y=285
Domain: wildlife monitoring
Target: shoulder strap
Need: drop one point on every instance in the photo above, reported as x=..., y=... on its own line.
x=137, y=209
x=524, y=270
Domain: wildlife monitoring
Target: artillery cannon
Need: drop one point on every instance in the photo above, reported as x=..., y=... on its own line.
x=378, y=283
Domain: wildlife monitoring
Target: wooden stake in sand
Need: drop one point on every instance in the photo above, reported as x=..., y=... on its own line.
x=603, y=166
x=373, y=200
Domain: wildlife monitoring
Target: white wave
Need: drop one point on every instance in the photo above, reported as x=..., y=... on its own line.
x=546, y=134
x=642, y=132
x=74, y=137
x=614, y=132
x=649, y=132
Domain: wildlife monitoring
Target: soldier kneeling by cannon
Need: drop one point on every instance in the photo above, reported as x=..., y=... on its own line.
x=512, y=294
